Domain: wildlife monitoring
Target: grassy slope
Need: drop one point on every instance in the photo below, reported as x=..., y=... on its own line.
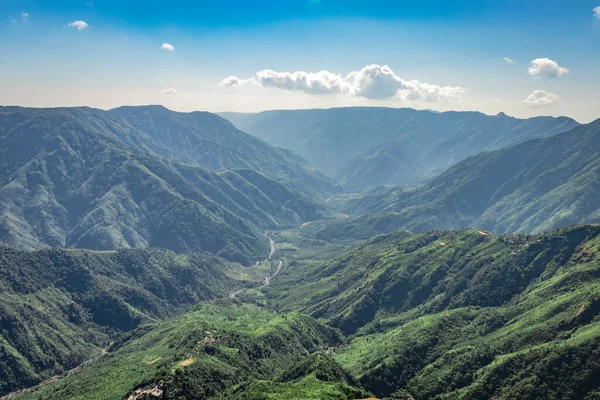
x=249, y=342
x=316, y=377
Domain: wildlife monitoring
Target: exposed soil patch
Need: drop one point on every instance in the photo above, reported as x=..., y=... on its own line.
x=185, y=363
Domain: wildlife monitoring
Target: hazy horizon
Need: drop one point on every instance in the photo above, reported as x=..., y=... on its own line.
x=290, y=109
x=523, y=59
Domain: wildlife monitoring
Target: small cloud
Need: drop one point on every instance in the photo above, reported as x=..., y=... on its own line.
x=187, y=96
x=79, y=25
x=541, y=98
x=597, y=12
x=12, y=21
x=546, y=66
x=24, y=16
x=233, y=81
x=89, y=4
x=509, y=60
x=167, y=46
x=170, y=92
x=374, y=81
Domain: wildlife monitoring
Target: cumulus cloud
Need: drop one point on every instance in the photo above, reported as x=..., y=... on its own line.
x=597, y=12
x=79, y=25
x=371, y=82
x=170, y=92
x=541, y=98
x=167, y=46
x=321, y=82
x=509, y=60
x=24, y=16
x=547, y=67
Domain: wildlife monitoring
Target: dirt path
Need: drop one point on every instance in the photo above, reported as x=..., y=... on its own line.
x=235, y=293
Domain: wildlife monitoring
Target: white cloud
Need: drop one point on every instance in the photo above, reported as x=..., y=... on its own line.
x=167, y=46
x=540, y=98
x=233, y=81
x=597, y=12
x=170, y=92
x=12, y=21
x=187, y=96
x=509, y=60
x=546, y=66
x=24, y=16
x=322, y=82
x=79, y=25
x=371, y=82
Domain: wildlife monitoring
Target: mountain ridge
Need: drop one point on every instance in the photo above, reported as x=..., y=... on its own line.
x=345, y=142
x=67, y=180
x=530, y=187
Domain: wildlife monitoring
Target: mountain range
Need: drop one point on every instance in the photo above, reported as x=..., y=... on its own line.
x=365, y=147
x=531, y=187
x=215, y=143
x=80, y=177
x=131, y=240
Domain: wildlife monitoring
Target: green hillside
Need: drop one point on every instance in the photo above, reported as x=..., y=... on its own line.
x=60, y=307
x=440, y=315
x=459, y=314
x=198, y=355
x=316, y=377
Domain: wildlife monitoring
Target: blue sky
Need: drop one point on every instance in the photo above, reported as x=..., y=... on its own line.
x=444, y=55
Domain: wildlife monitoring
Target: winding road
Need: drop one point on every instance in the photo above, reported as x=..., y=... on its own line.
x=268, y=277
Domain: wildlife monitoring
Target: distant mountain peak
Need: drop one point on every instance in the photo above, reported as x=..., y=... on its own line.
x=501, y=114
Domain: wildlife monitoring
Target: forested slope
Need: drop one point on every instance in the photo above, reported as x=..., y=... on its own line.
x=60, y=307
